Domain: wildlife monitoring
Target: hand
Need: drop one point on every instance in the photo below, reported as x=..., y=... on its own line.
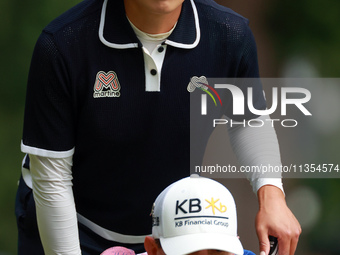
x=275, y=218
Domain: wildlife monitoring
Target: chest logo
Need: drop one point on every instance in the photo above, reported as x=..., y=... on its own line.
x=106, y=85
x=202, y=84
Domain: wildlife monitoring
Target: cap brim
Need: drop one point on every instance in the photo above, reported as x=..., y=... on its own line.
x=186, y=244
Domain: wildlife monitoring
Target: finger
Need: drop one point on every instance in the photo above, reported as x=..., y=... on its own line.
x=263, y=242
x=284, y=245
x=294, y=242
x=293, y=246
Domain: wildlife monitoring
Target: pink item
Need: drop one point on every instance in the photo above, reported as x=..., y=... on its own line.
x=118, y=251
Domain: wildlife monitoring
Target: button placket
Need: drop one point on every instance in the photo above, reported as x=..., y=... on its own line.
x=153, y=66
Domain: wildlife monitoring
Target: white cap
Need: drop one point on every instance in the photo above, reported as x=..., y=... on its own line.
x=193, y=214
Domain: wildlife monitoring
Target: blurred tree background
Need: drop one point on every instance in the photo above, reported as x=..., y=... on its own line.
x=299, y=38
x=306, y=36
x=21, y=22
x=307, y=29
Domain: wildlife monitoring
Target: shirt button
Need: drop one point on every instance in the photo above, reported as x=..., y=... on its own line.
x=160, y=49
x=153, y=71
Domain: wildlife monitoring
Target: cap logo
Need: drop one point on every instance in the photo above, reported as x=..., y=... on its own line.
x=194, y=205
x=188, y=213
x=213, y=206
x=155, y=219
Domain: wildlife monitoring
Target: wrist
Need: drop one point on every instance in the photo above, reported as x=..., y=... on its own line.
x=269, y=194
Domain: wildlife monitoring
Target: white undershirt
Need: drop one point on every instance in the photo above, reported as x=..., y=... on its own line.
x=150, y=41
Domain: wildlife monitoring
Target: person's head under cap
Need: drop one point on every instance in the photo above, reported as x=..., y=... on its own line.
x=196, y=216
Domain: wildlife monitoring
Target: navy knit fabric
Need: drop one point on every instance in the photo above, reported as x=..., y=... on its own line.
x=127, y=148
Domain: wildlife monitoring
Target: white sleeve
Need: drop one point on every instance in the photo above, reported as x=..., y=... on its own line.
x=56, y=213
x=256, y=146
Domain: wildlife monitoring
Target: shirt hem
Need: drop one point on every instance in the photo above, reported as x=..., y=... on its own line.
x=45, y=153
x=110, y=235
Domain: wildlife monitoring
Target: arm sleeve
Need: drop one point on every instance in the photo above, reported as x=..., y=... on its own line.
x=56, y=213
x=257, y=146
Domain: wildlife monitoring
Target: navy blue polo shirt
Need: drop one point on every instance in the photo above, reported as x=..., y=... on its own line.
x=87, y=97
